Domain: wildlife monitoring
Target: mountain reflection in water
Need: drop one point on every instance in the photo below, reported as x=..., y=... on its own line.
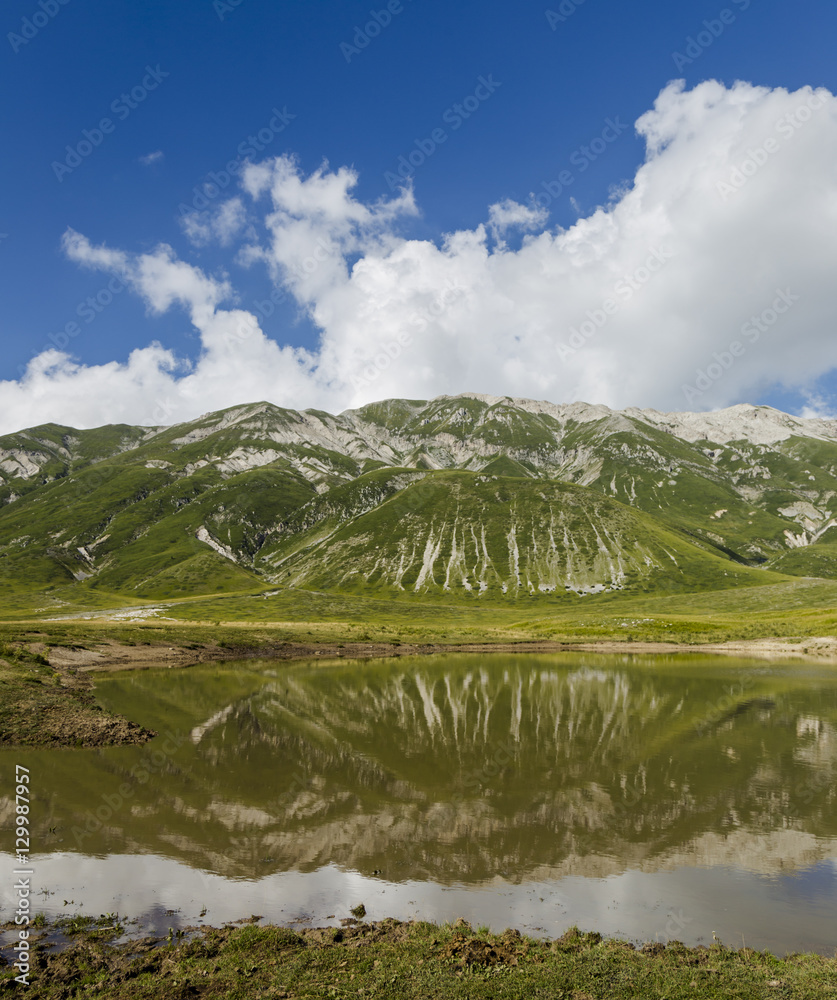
x=459, y=769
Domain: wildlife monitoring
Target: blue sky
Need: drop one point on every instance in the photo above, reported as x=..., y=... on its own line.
x=359, y=86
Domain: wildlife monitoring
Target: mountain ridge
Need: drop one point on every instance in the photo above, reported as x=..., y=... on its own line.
x=744, y=421
x=262, y=494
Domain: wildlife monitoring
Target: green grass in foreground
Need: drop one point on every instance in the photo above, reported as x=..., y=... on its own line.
x=400, y=961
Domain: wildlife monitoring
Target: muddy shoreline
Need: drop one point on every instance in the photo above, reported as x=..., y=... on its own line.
x=111, y=656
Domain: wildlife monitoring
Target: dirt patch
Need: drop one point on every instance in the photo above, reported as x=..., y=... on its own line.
x=86, y=955
x=116, y=656
x=482, y=953
x=819, y=648
x=357, y=934
x=83, y=726
x=574, y=941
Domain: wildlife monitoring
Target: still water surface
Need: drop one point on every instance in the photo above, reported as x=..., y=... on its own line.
x=651, y=798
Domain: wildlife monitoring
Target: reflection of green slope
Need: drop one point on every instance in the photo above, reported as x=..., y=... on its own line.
x=456, y=769
x=179, y=700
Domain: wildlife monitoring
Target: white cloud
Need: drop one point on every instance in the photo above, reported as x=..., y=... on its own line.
x=222, y=224
x=158, y=277
x=508, y=214
x=316, y=225
x=817, y=407
x=726, y=236
x=150, y=158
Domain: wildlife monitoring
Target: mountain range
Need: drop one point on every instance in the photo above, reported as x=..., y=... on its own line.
x=461, y=498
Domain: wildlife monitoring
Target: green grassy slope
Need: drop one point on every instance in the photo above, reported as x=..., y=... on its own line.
x=132, y=529
x=461, y=535
x=39, y=455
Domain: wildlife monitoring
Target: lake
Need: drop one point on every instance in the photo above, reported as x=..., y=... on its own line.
x=653, y=798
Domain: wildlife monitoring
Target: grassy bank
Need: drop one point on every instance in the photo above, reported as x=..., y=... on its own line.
x=42, y=706
x=404, y=960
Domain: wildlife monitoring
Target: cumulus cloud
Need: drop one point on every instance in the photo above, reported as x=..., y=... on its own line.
x=701, y=283
x=315, y=226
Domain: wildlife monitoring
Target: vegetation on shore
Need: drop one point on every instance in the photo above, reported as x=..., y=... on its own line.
x=403, y=960
x=42, y=706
